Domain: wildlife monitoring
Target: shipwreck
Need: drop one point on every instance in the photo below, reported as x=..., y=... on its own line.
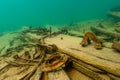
x=41, y=54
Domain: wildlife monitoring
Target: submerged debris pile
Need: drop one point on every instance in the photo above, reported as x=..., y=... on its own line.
x=29, y=57
x=32, y=63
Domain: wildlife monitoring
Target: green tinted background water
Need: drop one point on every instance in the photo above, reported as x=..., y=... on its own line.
x=17, y=13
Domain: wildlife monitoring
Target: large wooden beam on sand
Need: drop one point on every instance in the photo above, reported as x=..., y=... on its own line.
x=108, y=66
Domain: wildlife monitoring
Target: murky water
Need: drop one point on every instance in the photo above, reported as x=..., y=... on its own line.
x=16, y=13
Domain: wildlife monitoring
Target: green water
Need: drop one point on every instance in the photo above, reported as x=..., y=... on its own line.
x=17, y=13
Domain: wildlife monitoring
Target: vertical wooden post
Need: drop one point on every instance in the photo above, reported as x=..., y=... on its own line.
x=50, y=31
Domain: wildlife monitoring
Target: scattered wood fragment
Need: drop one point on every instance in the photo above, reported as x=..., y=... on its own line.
x=54, y=62
x=116, y=46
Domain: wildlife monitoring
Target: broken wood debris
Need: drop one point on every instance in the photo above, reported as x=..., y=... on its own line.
x=35, y=69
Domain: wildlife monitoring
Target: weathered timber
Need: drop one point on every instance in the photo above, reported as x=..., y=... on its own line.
x=45, y=76
x=50, y=30
x=28, y=76
x=13, y=75
x=3, y=65
x=25, y=68
x=114, y=14
x=15, y=63
x=77, y=75
x=38, y=74
x=90, y=67
x=54, y=62
x=104, y=32
x=88, y=72
x=5, y=68
x=116, y=46
x=117, y=29
x=113, y=77
x=58, y=75
x=108, y=66
x=76, y=34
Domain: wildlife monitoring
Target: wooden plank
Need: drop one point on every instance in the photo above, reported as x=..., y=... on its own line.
x=110, y=67
x=58, y=75
x=106, y=59
x=88, y=72
x=76, y=75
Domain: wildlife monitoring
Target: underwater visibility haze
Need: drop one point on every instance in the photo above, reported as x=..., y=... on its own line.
x=17, y=13
x=59, y=39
